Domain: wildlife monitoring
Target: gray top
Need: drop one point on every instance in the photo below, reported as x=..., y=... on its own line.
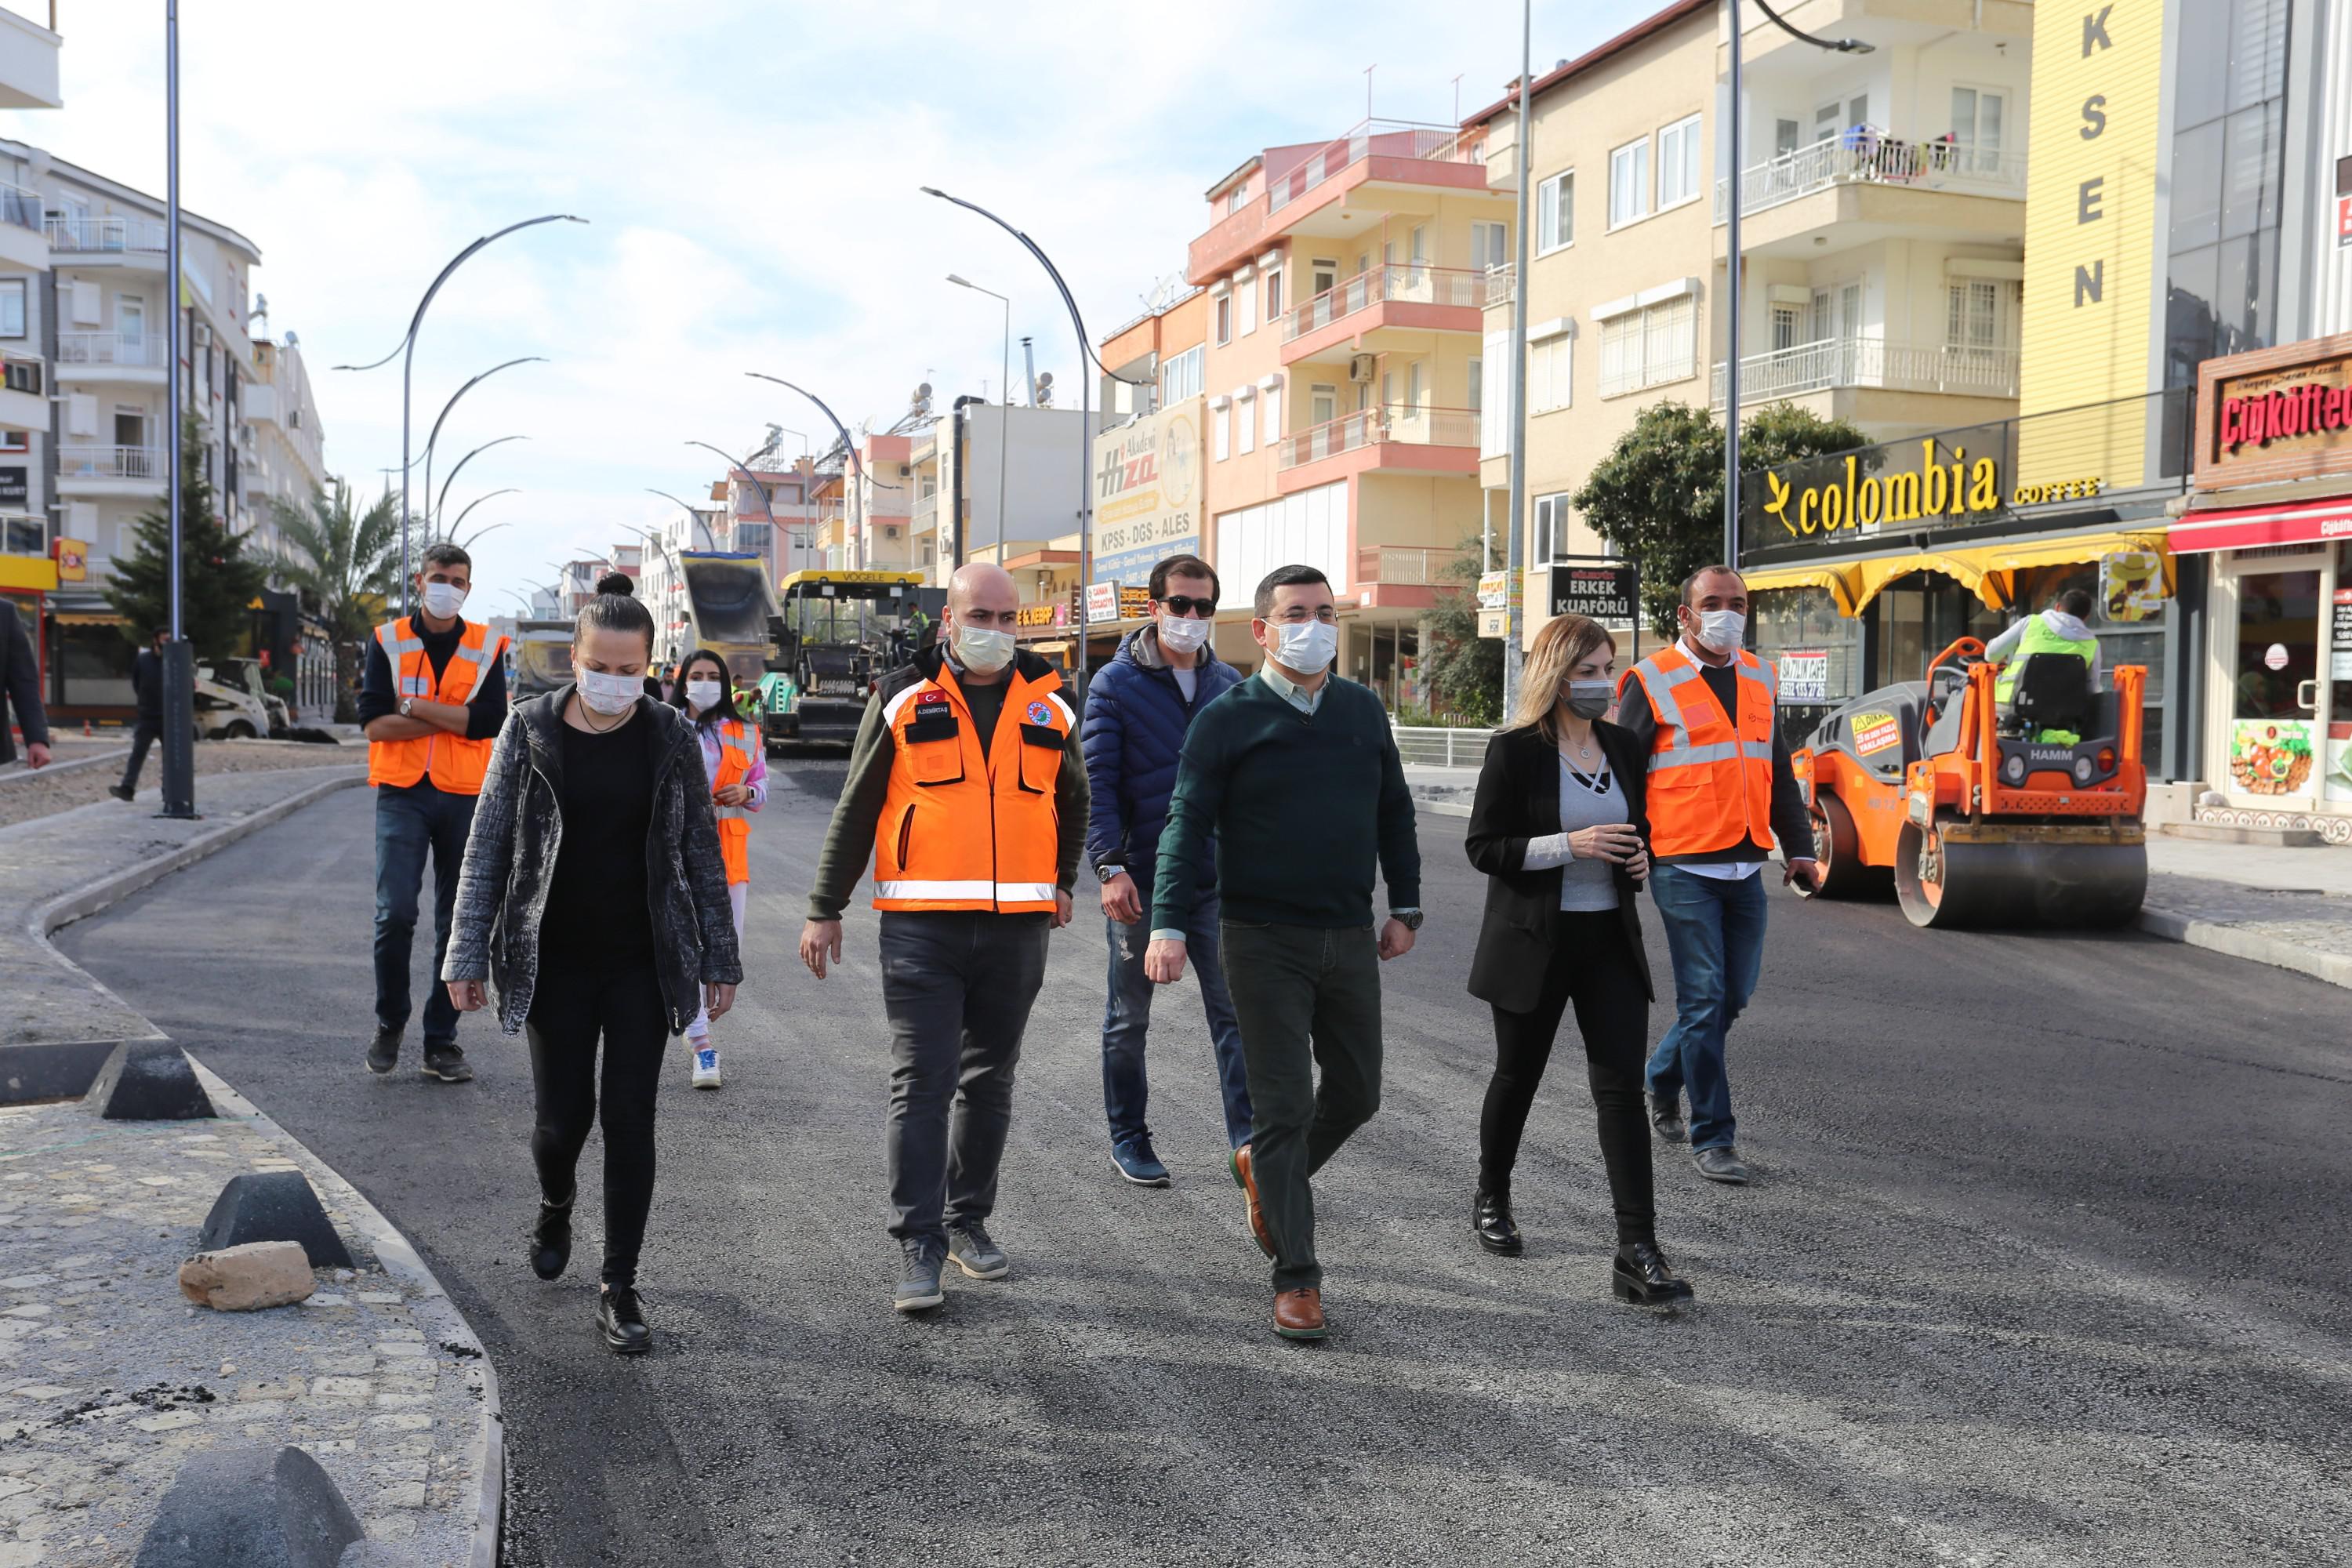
x=1584, y=884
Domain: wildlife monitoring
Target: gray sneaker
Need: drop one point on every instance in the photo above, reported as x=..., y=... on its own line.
x=919, y=1277
x=976, y=1254
x=1723, y=1165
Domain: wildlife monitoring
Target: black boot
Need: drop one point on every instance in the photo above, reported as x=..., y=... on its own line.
x=551, y=1239
x=622, y=1317
x=1639, y=1274
x=1491, y=1216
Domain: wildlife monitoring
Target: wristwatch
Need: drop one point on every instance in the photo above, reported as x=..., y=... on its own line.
x=1408, y=919
x=406, y=705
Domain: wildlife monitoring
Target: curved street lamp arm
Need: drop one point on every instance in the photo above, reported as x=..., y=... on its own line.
x=748, y=474
x=440, y=418
x=469, y=541
x=697, y=516
x=477, y=501
x=454, y=262
x=847, y=445
x=461, y=467
x=1086, y=344
x=1835, y=46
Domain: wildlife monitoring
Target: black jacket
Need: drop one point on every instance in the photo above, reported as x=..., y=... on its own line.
x=147, y=683
x=1518, y=799
x=510, y=859
x=20, y=685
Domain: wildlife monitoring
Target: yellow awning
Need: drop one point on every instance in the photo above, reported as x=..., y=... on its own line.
x=1838, y=580
x=2002, y=561
x=1870, y=576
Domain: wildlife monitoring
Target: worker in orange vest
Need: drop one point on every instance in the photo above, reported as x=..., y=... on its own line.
x=736, y=762
x=968, y=791
x=432, y=700
x=1721, y=792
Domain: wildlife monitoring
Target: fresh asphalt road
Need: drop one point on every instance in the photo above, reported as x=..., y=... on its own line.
x=2049, y=1263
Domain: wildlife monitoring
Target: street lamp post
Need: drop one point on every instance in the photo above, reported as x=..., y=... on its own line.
x=477, y=501
x=1004, y=401
x=434, y=439
x=1086, y=410
x=857, y=463
x=406, y=349
x=179, y=769
x=438, y=501
x=766, y=509
x=698, y=520
x=1514, y=569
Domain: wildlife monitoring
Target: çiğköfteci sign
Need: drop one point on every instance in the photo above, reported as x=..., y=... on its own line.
x=1604, y=593
x=2275, y=414
x=1147, y=493
x=1932, y=480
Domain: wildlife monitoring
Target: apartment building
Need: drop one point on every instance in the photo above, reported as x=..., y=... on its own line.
x=1344, y=284
x=29, y=568
x=284, y=446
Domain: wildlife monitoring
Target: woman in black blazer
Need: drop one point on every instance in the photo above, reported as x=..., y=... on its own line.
x=1559, y=830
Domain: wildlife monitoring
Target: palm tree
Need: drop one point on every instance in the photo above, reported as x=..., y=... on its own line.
x=344, y=563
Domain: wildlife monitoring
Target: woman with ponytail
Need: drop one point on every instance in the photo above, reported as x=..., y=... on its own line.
x=734, y=759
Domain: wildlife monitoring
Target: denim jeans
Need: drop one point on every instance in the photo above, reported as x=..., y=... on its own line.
x=408, y=822
x=1127, y=1017
x=1715, y=930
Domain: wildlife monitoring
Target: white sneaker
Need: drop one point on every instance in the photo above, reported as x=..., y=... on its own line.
x=706, y=1067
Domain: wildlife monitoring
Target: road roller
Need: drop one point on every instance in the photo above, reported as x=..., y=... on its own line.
x=1979, y=811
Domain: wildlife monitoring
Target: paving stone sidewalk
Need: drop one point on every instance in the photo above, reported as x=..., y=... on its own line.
x=110, y=1380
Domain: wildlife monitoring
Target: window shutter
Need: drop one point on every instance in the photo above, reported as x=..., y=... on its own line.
x=81, y=415
x=85, y=308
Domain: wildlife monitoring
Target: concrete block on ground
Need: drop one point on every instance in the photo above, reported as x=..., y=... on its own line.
x=148, y=1081
x=248, y=1279
x=274, y=1206
x=253, y=1506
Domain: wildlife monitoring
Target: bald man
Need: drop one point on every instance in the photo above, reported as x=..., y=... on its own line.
x=968, y=792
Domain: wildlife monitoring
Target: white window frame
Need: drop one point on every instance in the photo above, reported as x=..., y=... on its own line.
x=1629, y=170
x=1551, y=373
x=1181, y=376
x=1556, y=199
x=1494, y=239
x=1272, y=398
x=1476, y=366
x=1220, y=430
x=1680, y=144
x=1270, y=295
x=1642, y=345
x=1552, y=521
x=1222, y=313
x=13, y=289
x=1246, y=419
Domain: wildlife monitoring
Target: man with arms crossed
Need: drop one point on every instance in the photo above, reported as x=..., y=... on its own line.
x=1296, y=775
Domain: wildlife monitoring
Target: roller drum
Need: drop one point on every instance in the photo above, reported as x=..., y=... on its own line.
x=2017, y=882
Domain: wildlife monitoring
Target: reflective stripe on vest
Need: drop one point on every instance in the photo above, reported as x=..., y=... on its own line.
x=964, y=830
x=1710, y=771
x=454, y=763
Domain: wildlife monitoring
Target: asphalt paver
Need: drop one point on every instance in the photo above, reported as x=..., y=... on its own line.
x=2047, y=1262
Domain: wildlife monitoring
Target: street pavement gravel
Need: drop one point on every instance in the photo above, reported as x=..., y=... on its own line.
x=2047, y=1262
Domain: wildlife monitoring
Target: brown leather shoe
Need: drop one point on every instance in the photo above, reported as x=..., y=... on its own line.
x=1247, y=1180
x=1298, y=1314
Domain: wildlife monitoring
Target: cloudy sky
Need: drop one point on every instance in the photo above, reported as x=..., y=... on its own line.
x=750, y=171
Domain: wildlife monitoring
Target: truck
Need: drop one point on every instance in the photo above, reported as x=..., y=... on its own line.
x=730, y=610
x=542, y=658
x=839, y=633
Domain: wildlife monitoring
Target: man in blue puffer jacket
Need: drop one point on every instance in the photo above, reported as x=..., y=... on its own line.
x=1137, y=709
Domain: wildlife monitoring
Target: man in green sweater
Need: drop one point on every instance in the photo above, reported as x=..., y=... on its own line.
x=1295, y=774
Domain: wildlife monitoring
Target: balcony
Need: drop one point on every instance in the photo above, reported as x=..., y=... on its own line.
x=22, y=242
x=1394, y=151
x=1502, y=284
x=1396, y=294
x=1868, y=187
x=1839, y=363
x=138, y=236
x=113, y=356
x=1408, y=566
x=111, y=470
x=1395, y=438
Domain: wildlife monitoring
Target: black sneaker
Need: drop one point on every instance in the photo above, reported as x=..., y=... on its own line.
x=446, y=1063
x=120, y=792
x=622, y=1317
x=383, y=1051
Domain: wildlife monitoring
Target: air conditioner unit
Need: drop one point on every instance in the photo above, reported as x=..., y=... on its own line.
x=904, y=470
x=892, y=531
x=1360, y=367
x=204, y=335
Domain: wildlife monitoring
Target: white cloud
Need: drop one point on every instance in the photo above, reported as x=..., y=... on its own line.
x=750, y=171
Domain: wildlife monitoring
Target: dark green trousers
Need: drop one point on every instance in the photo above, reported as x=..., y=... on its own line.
x=1306, y=998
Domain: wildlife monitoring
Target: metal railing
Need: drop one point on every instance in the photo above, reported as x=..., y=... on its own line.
x=1407, y=565
x=1502, y=284
x=1439, y=746
x=1395, y=422
x=144, y=351
x=1405, y=282
x=1868, y=158
x=20, y=207
x=111, y=463
x=1371, y=139
x=23, y=534
x=105, y=233
x=1872, y=362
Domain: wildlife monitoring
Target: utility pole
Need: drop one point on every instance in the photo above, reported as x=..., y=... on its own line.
x=1514, y=557
x=1732, y=306
x=179, y=658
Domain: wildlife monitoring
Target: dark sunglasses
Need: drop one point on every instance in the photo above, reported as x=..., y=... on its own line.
x=1182, y=606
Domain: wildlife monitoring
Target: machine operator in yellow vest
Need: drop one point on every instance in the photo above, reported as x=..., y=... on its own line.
x=431, y=702
x=968, y=792
x=2061, y=628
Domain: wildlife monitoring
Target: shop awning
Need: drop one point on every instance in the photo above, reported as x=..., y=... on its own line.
x=2255, y=527
x=1837, y=580
x=87, y=619
x=1870, y=576
x=1990, y=571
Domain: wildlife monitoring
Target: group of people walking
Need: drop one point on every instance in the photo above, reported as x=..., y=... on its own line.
x=1256, y=832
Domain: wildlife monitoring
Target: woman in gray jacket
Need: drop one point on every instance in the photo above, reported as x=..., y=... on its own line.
x=593, y=902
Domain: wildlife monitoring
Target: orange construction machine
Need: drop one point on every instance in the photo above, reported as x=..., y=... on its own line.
x=1981, y=810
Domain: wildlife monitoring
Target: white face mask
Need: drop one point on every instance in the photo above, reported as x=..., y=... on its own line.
x=983, y=650
x=703, y=695
x=609, y=694
x=1182, y=634
x=1306, y=648
x=1722, y=630
x=443, y=600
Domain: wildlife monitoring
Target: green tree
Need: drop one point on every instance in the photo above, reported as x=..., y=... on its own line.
x=217, y=582
x=345, y=565
x=1658, y=497
x=1465, y=670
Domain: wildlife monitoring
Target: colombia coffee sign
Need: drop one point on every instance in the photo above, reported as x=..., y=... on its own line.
x=2275, y=414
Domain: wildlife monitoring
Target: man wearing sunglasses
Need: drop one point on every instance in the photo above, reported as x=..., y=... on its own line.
x=1138, y=709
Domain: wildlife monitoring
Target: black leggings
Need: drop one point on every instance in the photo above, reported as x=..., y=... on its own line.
x=1589, y=966
x=569, y=1008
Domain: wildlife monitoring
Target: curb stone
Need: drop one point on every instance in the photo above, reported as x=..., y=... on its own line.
x=2237, y=942
x=401, y=1260
x=19, y=775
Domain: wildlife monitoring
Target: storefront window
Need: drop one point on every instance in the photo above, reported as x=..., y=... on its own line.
x=2336, y=785
x=2278, y=643
x=1922, y=615
x=93, y=664
x=1817, y=652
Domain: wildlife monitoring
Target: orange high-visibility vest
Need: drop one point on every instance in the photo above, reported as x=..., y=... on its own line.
x=454, y=763
x=1710, y=784
x=735, y=744
x=963, y=831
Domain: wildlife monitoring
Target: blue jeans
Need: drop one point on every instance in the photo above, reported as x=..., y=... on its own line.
x=408, y=822
x=1716, y=931
x=1127, y=1016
